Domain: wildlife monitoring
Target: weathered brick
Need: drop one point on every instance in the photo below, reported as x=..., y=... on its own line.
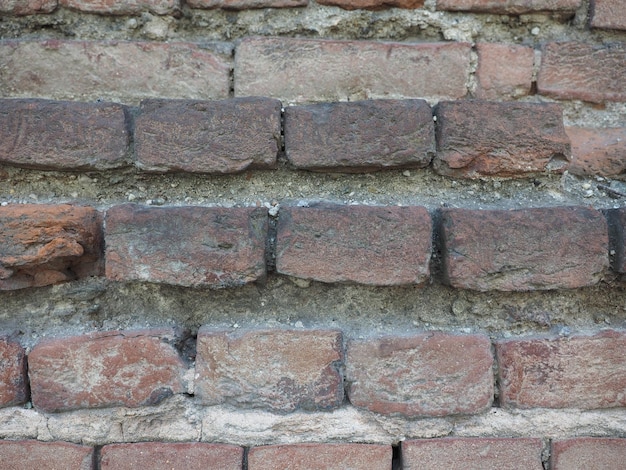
x=63, y=135
x=472, y=454
x=360, y=244
x=307, y=70
x=225, y=136
x=509, y=7
x=504, y=71
x=321, y=457
x=360, y=136
x=47, y=244
x=13, y=380
x=598, y=151
x=583, y=453
x=525, y=249
x=617, y=231
x=20, y=455
x=573, y=70
x=171, y=456
x=584, y=372
x=431, y=374
x=105, y=369
x=27, y=7
x=282, y=370
x=122, y=7
x=187, y=246
x=485, y=138
x=608, y=14
x=373, y=4
x=112, y=70
x=246, y=4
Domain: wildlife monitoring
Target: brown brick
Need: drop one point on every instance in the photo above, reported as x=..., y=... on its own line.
x=171, y=456
x=111, y=70
x=208, y=136
x=27, y=7
x=246, y=4
x=504, y=71
x=21, y=455
x=13, y=380
x=608, y=14
x=485, y=138
x=584, y=372
x=119, y=7
x=617, y=233
x=360, y=136
x=362, y=244
x=472, y=454
x=431, y=374
x=187, y=246
x=282, y=370
x=47, y=244
x=373, y=4
x=598, y=151
x=308, y=70
x=584, y=453
x=105, y=369
x=509, y=7
x=577, y=71
x=63, y=135
x=320, y=457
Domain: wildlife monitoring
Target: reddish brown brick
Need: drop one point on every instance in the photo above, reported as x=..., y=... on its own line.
x=504, y=71
x=282, y=370
x=484, y=138
x=47, y=244
x=509, y=7
x=525, y=249
x=598, y=151
x=187, y=246
x=472, y=454
x=363, y=244
x=105, y=369
x=307, y=70
x=608, y=14
x=373, y=4
x=360, y=136
x=577, y=71
x=13, y=380
x=119, y=7
x=27, y=7
x=20, y=455
x=171, y=456
x=577, y=372
x=321, y=457
x=63, y=135
x=431, y=374
x=246, y=4
x=584, y=453
x=225, y=136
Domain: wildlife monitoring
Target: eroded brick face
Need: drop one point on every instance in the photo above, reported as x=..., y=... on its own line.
x=122, y=7
x=13, y=378
x=608, y=14
x=17, y=455
x=373, y=4
x=246, y=4
x=587, y=452
x=504, y=71
x=27, y=7
x=598, y=151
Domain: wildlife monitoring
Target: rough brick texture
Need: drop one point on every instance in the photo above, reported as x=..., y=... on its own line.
x=208, y=136
x=526, y=249
x=63, y=135
x=105, y=369
x=573, y=70
x=27, y=7
x=305, y=70
x=111, y=70
x=504, y=71
x=360, y=244
x=187, y=246
x=360, y=136
x=282, y=370
x=598, y=151
x=484, y=138
x=373, y=4
x=13, y=379
x=509, y=6
x=472, y=454
x=433, y=374
x=320, y=457
x=608, y=14
x=170, y=456
x=578, y=372
x=617, y=231
x=122, y=7
x=246, y=4
x=584, y=453
x=45, y=244
x=20, y=455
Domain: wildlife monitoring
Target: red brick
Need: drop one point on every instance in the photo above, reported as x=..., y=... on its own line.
x=187, y=246
x=584, y=453
x=608, y=14
x=282, y=370
x=122, y=7
x=171, y=456
x=504, y=71
x=105, y=369
x=485, y=138
x=246, y=4
x=48, y=244
x=360, y=136
x=27, y=7
x=472, y=454
x=321, y=457
x=617, y=231
x=308, y=70
x=208, y=136
x=112, y=70
x=584, y=372
x=577, y=71
x=525, y=249
x=373, y=4
x=20, y=455
x=13, y=380
x=509, y=7
x=63, y=135
x=381, y=246
x=598, y=151
x=430, y=374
